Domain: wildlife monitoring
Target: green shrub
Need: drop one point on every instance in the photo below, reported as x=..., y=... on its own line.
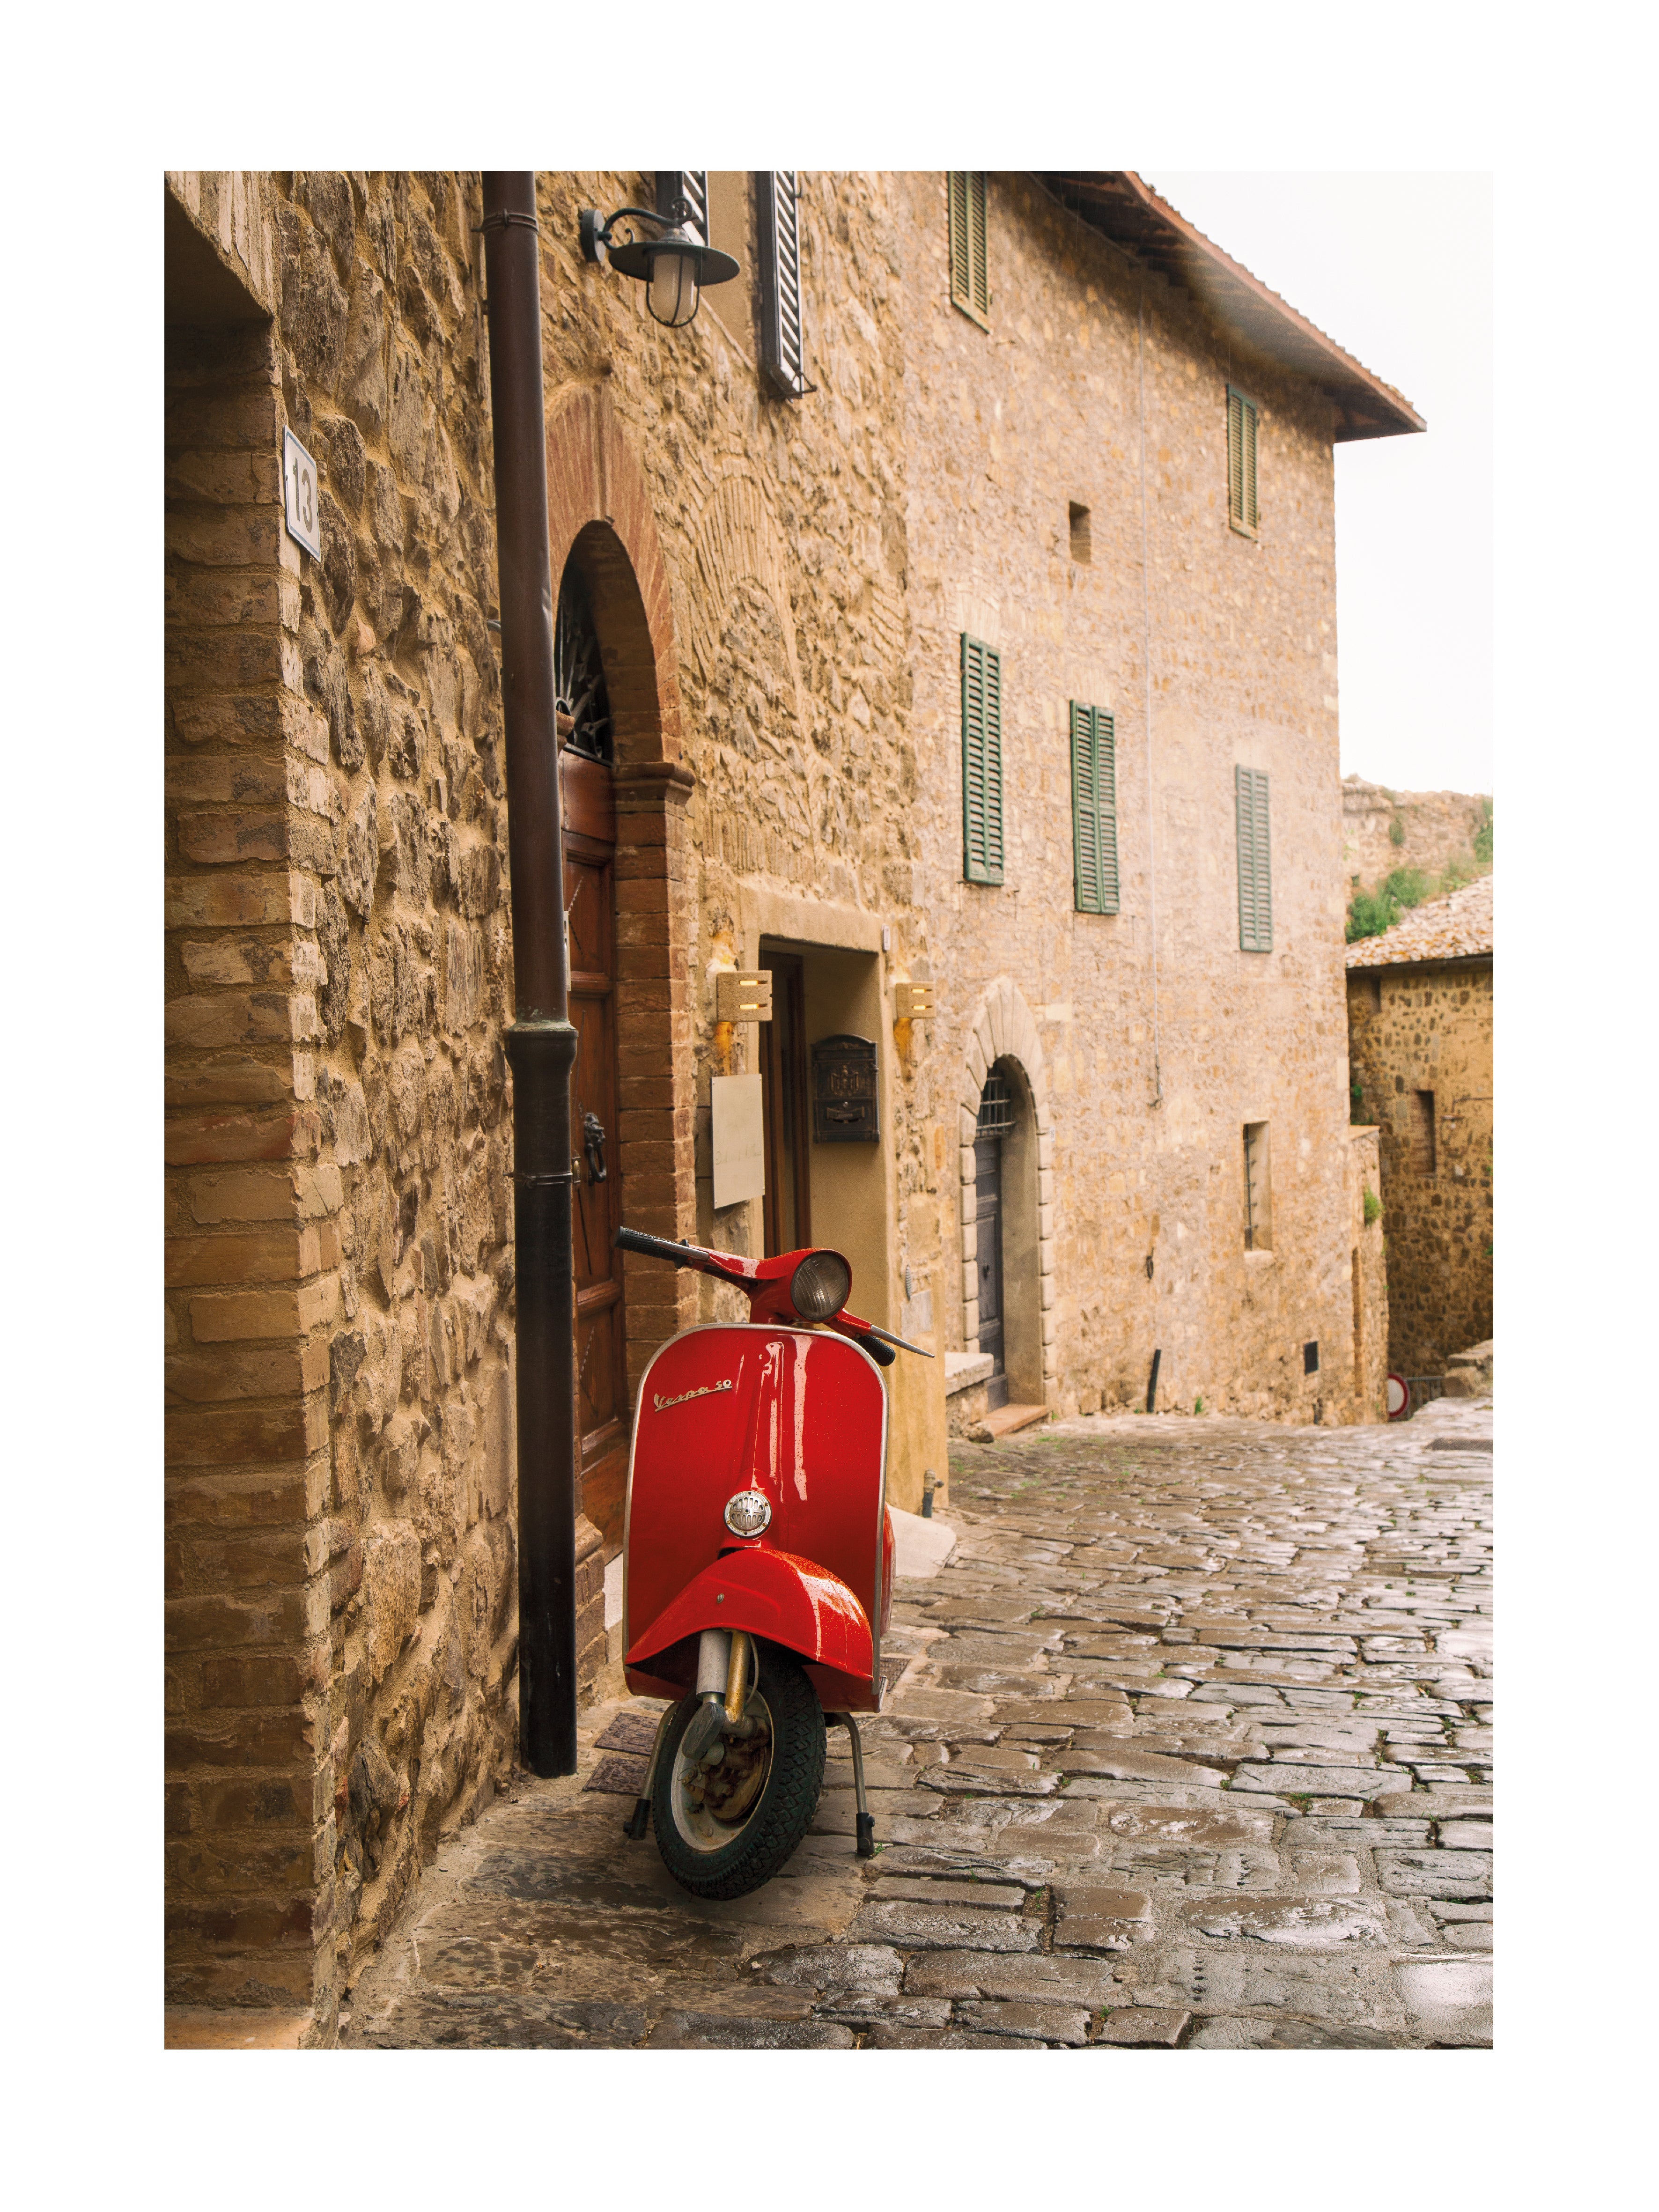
x=1368, y=915
x=1483, y=834
x=1356, y=1100
x=1397, y=830
x=1373, y=1206
x=1407, y=887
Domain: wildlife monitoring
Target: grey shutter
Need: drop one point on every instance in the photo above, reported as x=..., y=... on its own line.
x=982, y=762
x=1241, y=460
x=1256, y=883
x=1094, y=811
x=970, y=283
x=690, y=186
x=782, y=333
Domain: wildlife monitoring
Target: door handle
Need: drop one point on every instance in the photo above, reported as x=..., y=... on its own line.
x=594, y=1146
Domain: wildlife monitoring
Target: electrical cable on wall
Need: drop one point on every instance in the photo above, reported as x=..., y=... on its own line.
x=1146, y=659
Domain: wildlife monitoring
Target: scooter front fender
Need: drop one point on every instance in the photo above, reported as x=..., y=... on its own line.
x=788, y=1601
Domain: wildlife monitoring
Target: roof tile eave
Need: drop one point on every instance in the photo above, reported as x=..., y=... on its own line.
x=1458, y=926
x=1370, y=407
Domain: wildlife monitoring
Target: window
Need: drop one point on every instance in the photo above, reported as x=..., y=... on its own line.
x=1421, y=1110
x=1094, y=811
x=1255, y=880
x=1082, y=549
x=971, y=288
x=1311, y=1358
x=1258, y=1198
x=782, y=331
x=1241, y=462
x=982, y=762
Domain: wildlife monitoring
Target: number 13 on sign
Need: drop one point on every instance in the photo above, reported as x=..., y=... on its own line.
x=301, y=508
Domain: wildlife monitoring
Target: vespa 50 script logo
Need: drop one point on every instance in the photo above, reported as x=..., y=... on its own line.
x=707, y=1390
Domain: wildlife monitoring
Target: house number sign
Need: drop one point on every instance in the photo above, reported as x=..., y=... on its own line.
x=301, y=505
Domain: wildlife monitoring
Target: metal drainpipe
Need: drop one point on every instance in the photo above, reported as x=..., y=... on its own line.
x=541, y=1044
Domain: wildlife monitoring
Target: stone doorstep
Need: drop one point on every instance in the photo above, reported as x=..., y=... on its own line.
x=191, y=2028
x=1008, y=1421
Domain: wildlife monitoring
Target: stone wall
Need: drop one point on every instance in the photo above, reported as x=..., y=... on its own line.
x=339, y=966
x=1437, y=829
x=1139, y=1104
x=782, y=533
x=341, y=1571
x=1428, y=1032
x=1368, y=1272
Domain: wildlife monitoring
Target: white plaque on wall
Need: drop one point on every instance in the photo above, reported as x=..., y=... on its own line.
x=301, y=503
x=739, y=1158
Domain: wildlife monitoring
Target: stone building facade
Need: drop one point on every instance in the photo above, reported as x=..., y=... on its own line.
x=1420, y=1043
x=769, y=592
x=1068, y=506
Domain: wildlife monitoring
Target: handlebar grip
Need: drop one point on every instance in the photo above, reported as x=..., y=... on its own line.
x=655, y=1247
x=883, y=1354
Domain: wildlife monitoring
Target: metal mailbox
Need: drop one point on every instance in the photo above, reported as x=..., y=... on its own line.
x=844, y=1101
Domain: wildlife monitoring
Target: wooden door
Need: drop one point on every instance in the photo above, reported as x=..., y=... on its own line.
x=589, y=847
x=785, y=1106
x=988, y=1215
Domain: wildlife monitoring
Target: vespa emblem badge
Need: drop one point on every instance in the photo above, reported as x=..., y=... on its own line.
x=748, y=1513
x=707, y=1390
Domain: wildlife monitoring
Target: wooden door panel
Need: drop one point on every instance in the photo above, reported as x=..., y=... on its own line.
x=987, y=1212
x=602, y=1408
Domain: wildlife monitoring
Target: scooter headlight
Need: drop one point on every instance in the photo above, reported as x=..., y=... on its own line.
x=820, y=1285
x=748, y=1513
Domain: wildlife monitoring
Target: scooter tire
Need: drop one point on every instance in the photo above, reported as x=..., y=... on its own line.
x=787, y=1800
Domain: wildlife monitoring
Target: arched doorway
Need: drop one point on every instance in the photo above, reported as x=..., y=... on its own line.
x=1009, y=1249
x=630, y=893
x=586, y=768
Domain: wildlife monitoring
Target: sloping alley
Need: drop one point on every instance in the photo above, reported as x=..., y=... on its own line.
x=1191, y=1748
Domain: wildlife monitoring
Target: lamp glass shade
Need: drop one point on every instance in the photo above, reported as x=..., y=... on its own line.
x=673, y=292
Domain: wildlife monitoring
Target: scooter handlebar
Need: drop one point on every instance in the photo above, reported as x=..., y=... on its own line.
x=681, y=1256
x=876, y=1342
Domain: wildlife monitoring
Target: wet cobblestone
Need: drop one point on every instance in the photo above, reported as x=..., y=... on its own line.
x=1192, y=1749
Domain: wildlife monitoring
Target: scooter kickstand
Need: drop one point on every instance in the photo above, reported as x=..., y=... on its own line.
x=866, y=1822
x=639, y=1820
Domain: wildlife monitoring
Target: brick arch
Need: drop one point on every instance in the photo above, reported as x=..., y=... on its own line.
x=598, y=509
x=1002, y=1028
x=601, y=516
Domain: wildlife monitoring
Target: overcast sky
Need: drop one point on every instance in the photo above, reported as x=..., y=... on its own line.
x=1397, y=269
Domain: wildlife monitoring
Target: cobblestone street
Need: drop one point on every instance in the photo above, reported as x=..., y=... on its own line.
x=1191, y=1749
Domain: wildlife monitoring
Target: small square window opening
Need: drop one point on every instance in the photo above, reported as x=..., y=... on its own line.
x=1422, y=1129
x=1311, y=1358
x=1081, y=549
x=1258, y=1213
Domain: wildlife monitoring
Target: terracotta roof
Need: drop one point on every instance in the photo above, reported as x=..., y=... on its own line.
x=1456, y=927
x=1123, y=208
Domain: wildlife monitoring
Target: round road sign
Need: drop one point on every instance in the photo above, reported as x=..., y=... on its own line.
x=1396, y=1397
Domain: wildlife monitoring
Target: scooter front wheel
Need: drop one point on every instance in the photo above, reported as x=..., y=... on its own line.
x=725, y=1829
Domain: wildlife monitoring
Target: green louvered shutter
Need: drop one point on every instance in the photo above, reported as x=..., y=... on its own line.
x=1255, y=879
x=1094, y=809
x=982, y=762
x=971, y=284
x=1241, y=460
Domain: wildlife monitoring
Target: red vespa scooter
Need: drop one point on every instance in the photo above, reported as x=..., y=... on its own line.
x=758, y=1562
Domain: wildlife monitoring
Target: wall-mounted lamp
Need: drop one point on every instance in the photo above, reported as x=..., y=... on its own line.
x=674, y=267
x=913, y=1002
x=742, y=997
